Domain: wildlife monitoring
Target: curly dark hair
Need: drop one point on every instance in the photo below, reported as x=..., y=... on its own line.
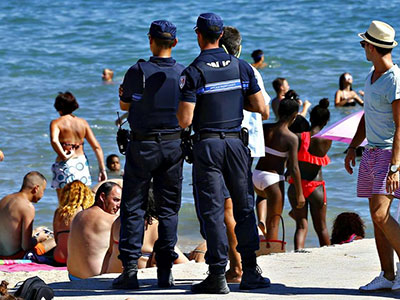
x=345, y=225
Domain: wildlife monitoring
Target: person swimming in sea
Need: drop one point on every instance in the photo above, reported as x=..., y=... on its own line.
x=345, y=96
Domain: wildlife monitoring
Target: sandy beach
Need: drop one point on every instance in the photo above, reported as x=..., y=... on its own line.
x=333, y=272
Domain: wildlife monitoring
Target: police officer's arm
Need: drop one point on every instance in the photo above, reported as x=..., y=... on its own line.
x=255, y=103
x=254, y=99
x=185, y=113
x=132, y=84
x=191, y=81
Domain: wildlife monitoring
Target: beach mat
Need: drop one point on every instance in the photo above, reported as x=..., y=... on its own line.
x=23, y=265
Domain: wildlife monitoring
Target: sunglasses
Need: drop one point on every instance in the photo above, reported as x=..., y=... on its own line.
x=363, y=43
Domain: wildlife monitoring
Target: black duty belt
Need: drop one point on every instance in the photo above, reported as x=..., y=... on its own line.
x=157, y=137
x=221, y=135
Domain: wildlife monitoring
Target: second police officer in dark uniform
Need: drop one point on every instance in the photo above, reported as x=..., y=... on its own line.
x=151, y=95
x=216, y=88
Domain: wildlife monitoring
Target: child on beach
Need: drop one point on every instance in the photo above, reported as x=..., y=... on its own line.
x=114, y=166
x=347, y=227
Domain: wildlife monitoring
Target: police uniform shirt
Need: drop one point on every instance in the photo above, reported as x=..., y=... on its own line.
x=134, y=83
x=191, y=80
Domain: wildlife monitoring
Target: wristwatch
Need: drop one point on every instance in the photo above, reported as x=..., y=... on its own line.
x=394, y=168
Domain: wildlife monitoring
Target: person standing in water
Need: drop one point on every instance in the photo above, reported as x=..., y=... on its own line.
x=67, y=134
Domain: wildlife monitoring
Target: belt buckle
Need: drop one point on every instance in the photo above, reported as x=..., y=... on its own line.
x=222, y=135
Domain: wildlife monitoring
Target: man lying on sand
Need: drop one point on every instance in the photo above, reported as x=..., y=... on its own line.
x=90, y=233
x=16, y=219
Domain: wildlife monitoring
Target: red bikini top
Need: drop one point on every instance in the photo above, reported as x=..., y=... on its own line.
x=304, y=155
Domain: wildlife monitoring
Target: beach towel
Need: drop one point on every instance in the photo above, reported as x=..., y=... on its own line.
x=22, y=265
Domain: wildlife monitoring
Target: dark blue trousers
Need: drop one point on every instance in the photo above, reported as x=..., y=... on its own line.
x=163, y=162
x=218, y=161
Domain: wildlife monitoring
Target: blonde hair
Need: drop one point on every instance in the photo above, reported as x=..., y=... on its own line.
x=74, y=195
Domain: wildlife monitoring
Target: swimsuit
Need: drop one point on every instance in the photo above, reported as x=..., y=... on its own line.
x=19, y=255
x=76, y=168
x=350, y=239
x=303, y=155
x=264, y=179
x=276, y=152
x=73, y=278
x=58, y=233
x=71, y=146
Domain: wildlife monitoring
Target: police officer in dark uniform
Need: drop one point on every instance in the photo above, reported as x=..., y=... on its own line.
x=151, y=95
x=216, y=88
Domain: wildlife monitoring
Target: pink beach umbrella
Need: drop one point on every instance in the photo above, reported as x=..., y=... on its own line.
x=343, y=130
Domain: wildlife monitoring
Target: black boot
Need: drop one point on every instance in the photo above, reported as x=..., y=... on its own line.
x=165, y=279
x=127, y=280
x=213, y=284
x=252, y=279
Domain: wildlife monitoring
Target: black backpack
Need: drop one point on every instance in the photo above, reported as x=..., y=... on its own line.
x=34, y=288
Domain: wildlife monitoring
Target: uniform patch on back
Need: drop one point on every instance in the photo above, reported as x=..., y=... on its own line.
x=182, y=81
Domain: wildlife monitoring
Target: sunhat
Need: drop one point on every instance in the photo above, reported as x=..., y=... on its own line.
x=379, y=34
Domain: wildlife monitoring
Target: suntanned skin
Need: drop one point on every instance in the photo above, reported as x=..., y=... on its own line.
x=60, y=253
x=113, y=265
x=318, y=147
x=386, y=229
x=73, y=130
x=16, y=220
x=89, y=237
x=279, y=137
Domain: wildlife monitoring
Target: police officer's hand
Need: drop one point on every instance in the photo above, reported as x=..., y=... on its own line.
x=301, y=201
x=392, y=182
x=350, y=160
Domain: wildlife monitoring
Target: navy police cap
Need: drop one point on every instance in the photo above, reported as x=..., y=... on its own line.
x=162, y=29
x=209, y=23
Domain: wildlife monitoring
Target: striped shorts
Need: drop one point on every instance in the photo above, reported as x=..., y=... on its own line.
x=374, y=168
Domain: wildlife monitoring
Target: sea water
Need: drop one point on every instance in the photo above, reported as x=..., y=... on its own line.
x=48, y=47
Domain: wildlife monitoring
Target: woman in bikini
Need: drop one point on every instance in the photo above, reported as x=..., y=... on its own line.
x=281, y=147
x=345, y=96
x=75, y=197
x=67, y=134
x=312, y=157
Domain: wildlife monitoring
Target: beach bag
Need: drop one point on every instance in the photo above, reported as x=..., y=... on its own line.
x=34, y=288
x=272, y=246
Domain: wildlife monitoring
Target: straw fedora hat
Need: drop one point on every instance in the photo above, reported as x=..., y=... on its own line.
x=379, y=34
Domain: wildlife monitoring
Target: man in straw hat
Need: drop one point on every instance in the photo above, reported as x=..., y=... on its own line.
x=378, y=178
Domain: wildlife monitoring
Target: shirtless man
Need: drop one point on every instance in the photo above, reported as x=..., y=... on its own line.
x=281, y=87
x=67, y=134
x=16, y=218
x=90, y=233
